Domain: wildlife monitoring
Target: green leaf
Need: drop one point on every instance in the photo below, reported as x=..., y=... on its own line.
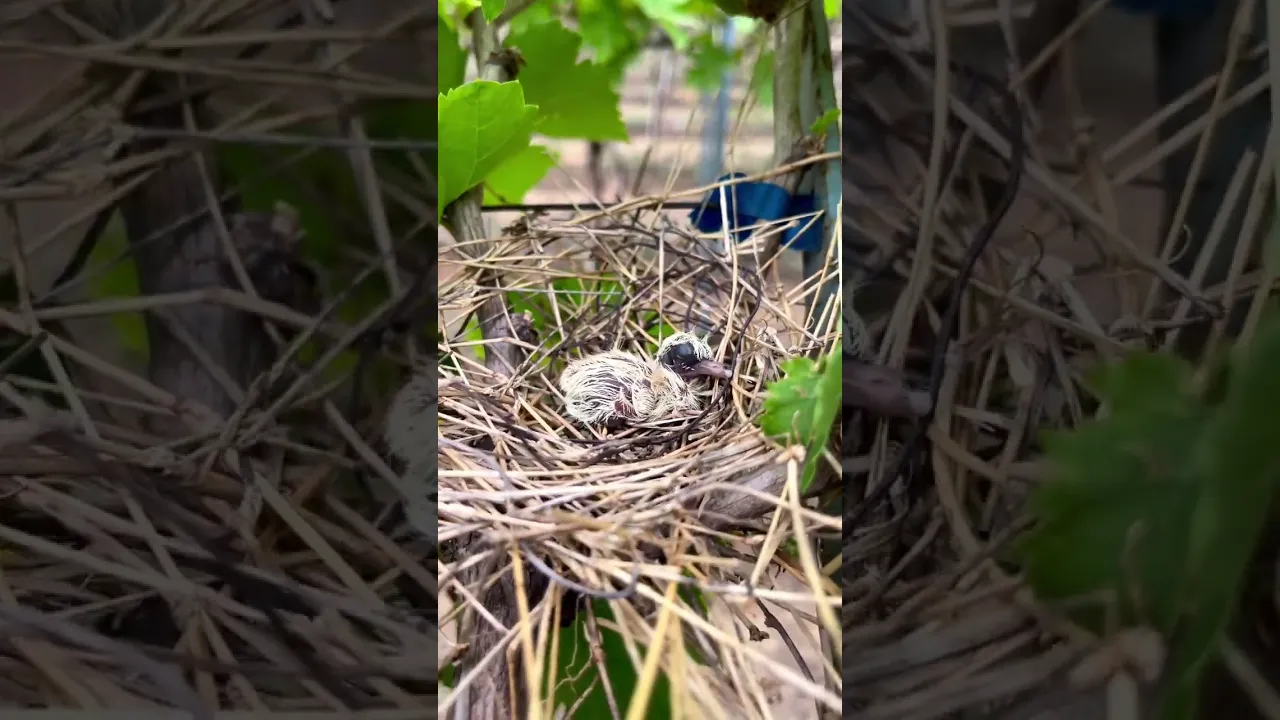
x=1114, y=517
x=832, y=8
x=540, y=11
x=708, y=61
x=517, y=175
x=482, y=125
x=762, y=79
x=824, y=122
x=576, y=672
x=672, y=17
x=1159, y=503
x=268, y=176
x=614, y=32
x=492, y=8
x=453, y=11
x=1240, y=464
x=452, y=59
x=801, y=407
x=575, y=99
x=114, y=275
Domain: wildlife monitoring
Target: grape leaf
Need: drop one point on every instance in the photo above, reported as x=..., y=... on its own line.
x=482, y=124
x=762, y=79
x=616, y=33
x=801, y=407
x=1239, y=462
x=1159, y=504
x=575, y=99
x=1115, y=515
x=679, y=18
x=492, y=8
x=824, y=122
x=517, y=175
x=112, y=273
x=708, y=60
x=540, y=11
x=452, y=11
x=452, y=59
x=576, y=673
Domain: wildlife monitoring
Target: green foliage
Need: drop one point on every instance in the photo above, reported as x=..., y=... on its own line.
x=451, y=59
x=316, y=185
x=615, y=31
x=482, y=124
x=708, y=61
x=453, y=11
x=575, y=297
x=576, y=673
x=762, y=78
x=1158, y=505
x=825, y=122
x=112, y=277
x=801, y=407
x=492, y=8
x=517, y=175
x=574, y=99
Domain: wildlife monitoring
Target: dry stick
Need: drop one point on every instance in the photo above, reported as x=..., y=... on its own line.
x=1043, y=177
x=1244, y=242
x=1271, y=258
x=1235, y=40
x=1210, y=247
x=1088, y=158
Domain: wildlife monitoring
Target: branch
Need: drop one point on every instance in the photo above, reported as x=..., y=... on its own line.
x=880, y=390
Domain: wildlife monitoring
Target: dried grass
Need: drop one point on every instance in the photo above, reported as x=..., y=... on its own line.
x=526, y=486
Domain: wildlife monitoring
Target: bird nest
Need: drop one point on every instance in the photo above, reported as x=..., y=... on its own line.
x=674, y=523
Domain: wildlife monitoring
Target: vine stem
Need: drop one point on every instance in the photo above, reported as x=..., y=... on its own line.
x=490, y=695
x=803, y=90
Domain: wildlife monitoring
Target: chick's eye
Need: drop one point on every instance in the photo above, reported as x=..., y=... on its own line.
x=685, y=353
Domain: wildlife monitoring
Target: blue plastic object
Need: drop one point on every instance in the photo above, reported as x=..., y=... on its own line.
x=752, y=203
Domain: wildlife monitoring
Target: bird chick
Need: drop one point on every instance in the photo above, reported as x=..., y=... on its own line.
x=689, y=356
x=615, y=389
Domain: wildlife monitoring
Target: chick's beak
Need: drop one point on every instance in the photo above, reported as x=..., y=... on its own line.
x=711, y=368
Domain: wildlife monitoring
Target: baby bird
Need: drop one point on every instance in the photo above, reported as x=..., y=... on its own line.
x=690, y=357
x=616, y=388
